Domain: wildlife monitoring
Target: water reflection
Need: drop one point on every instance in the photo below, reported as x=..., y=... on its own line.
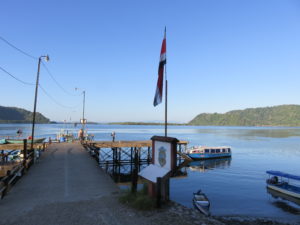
x=246, y=132
x=122, y=173
x=274, y=133
x=285, y=202
x=209, y=164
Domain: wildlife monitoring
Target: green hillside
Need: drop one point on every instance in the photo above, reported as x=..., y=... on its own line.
x=18, y=115
x=283, y=115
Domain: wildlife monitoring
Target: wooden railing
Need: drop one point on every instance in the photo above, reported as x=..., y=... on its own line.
x=11, y=171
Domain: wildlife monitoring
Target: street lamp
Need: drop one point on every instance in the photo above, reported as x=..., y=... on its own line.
x=83, y=121
x=35, y=96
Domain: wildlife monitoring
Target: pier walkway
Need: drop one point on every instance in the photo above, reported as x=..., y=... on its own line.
x=64, y=187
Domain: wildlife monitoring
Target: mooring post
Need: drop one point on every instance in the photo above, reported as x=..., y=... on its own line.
x=32, y=155
x=24, y=153
x=148, y=155
x=113, y=150
x=106, y=166
x=131, y=149
x=135, y=172
x=115, y=160
x=179, y=150
x=139, y=152
x=99, y=150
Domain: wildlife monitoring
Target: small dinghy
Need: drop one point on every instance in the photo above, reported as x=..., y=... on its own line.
x=201, y=202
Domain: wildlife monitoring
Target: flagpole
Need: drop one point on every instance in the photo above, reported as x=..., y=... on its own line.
x=166, y=109
x=166, y=94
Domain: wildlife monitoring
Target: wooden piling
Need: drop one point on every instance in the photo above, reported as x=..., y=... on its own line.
x=25, y=153
x=148, y=156
x=158, y=192
x=135, y=173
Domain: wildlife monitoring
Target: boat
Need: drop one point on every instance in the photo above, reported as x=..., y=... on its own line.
x=20, y=141
x=2, y=141
x=280, y=182
x=204, y=152
x=64, y=136
x=284, y=197
x=201, y=202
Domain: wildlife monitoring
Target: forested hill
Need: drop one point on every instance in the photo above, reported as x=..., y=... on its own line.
x=18, y=115
x=282, y=115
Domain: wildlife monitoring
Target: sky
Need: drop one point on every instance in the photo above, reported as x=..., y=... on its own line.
x=222, y=55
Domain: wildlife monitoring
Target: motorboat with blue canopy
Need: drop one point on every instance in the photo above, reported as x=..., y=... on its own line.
x=280, y=181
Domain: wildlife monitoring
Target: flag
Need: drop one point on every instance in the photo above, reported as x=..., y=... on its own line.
x=162, y=62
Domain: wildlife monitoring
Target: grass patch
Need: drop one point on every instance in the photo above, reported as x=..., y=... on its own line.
x=140, y=200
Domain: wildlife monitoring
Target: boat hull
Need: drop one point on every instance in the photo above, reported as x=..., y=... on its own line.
x=202, y=209
x=208, y=156
x=201, y=203
x=277, y=194
x=20, y=141
x=2, y=141
x=285, y=189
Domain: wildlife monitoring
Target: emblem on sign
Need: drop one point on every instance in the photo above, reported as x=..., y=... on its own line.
x=162, y=156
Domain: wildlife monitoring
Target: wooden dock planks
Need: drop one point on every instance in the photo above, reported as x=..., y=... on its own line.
x=124, y=144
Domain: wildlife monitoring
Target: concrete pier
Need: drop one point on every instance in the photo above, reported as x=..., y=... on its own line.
x=56, y=188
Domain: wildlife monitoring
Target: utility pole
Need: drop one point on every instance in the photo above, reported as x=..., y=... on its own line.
x=82, y=121
x=83, y=124
x=35, y=97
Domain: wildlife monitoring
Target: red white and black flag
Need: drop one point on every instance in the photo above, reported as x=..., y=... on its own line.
x=162, y=62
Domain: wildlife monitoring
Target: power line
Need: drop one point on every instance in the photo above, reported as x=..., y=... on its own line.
x=21, y=81
x=53, y=99
x=60, y=86
x=16, y=48
x=27, y=83
x=36, y=58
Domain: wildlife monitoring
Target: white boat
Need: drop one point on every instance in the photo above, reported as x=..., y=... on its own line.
x=201, y=202
x=280, y=182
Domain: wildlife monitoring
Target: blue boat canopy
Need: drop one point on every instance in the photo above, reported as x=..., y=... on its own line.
x=281, y=174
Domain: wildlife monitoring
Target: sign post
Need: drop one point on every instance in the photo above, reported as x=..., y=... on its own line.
x=164, y=159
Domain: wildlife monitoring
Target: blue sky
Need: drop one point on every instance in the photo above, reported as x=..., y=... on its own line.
x=221, y=56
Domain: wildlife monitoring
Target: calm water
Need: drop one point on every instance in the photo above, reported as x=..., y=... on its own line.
x=235, y=186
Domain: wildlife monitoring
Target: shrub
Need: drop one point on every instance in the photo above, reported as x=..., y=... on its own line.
x=139, y=200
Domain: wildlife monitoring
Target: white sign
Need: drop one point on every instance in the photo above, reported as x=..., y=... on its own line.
x=162, y=162
x=162, y=155
x=152, y=171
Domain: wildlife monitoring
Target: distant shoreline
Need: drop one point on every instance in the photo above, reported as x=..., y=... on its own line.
x=155, y=124
x=146, y=123
x=192, y=125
